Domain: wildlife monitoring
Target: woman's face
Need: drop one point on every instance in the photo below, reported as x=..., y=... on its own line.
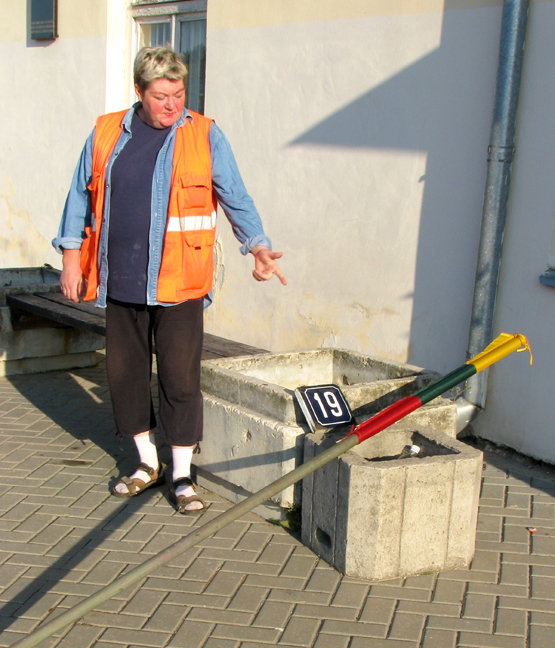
x=163, y=102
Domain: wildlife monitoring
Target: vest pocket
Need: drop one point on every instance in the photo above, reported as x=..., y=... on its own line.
x=187, y=264
x=198, y=258
x=193, y=192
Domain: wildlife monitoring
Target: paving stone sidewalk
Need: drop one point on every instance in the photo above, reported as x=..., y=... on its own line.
x=62, y=537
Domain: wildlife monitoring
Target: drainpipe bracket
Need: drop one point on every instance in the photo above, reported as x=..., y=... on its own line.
x=548, y=278
x=501, y=153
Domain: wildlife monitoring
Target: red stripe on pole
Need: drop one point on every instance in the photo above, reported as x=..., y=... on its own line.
x=387, y=417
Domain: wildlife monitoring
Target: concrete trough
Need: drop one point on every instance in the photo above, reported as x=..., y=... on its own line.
x=373, y=516
x=254, y=429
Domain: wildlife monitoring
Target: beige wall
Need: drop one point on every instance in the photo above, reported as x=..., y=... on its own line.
x=362, y=136
x=119, y=55
x=52, y=92
x=362, y=129
x=264, y=13
x=520, y=411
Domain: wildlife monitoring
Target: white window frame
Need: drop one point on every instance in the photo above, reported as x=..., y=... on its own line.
x=153, y=11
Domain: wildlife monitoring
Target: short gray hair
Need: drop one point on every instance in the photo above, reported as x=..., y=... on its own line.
x=152, y=63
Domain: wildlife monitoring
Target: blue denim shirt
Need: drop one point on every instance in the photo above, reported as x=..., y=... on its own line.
x=228, y=186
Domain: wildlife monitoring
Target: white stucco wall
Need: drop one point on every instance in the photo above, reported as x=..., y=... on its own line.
x=119, y=55
x=51, y=94
x=362, y=133
x=520, y=410
x=361, y=129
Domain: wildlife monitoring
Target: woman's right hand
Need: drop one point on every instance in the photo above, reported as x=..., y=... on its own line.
x=72, y=281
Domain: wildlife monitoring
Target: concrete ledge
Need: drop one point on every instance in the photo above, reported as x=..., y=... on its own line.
x=48, y=363
x=27, y=280
x=265, y=383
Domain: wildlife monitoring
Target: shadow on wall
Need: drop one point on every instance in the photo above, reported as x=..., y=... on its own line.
x=440, y=105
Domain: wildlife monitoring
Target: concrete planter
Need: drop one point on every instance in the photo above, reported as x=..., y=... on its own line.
x=375, y=517
x=30, y=344
x=254, y=430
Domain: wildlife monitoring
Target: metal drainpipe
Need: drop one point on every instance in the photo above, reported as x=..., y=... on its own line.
x=500, y=156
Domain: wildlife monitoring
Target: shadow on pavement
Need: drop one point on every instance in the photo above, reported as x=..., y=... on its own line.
x=74, y=437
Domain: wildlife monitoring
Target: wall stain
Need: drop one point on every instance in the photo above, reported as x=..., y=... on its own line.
x=340, y=327
x=21, y=244
x=219, y=265
x=368, y=313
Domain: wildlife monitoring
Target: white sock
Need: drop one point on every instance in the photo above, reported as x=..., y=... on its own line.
x=181, y=457
x=147, y=450
x=147, y=455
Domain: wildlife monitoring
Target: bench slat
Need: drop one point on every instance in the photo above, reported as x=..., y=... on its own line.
x=224, y=348
x=86, y=307
x=85, y=315
x=61, y=313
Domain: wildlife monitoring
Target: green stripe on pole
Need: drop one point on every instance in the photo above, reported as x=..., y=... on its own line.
x=444, y=384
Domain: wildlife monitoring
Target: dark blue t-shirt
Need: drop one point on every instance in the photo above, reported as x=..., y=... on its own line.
x=130, y=209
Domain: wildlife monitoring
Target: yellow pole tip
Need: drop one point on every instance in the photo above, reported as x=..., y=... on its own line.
x=526, y=346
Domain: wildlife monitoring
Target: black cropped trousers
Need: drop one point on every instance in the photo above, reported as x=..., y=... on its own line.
x=177, y=332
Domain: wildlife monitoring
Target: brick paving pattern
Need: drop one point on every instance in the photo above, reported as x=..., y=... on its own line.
x=62, y=537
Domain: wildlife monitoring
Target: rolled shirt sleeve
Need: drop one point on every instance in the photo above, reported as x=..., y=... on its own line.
x=232, y=195
x=77, y=209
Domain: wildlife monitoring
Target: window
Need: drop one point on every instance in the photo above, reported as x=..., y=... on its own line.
x=192, y=44
x=182, y=26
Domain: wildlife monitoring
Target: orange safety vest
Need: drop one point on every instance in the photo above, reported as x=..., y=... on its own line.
x=187, y=266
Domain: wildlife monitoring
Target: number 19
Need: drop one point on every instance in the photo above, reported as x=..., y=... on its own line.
x=331, y=400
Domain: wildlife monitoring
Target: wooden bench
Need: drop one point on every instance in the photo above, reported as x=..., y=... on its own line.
x=55, y=307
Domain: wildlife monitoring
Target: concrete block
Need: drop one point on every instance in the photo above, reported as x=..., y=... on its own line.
x=376, y=517
x=254, y=428
x=243, y=451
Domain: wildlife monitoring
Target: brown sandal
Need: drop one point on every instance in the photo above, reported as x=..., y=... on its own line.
x=182, y=501
x=136, y=486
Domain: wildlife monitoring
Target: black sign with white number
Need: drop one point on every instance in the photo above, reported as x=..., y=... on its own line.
x=323, y=406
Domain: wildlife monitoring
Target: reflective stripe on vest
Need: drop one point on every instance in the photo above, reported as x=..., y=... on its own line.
x=187, y=264
x=189, y=223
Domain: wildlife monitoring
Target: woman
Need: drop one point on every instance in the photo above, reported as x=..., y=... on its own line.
x=137, y=235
